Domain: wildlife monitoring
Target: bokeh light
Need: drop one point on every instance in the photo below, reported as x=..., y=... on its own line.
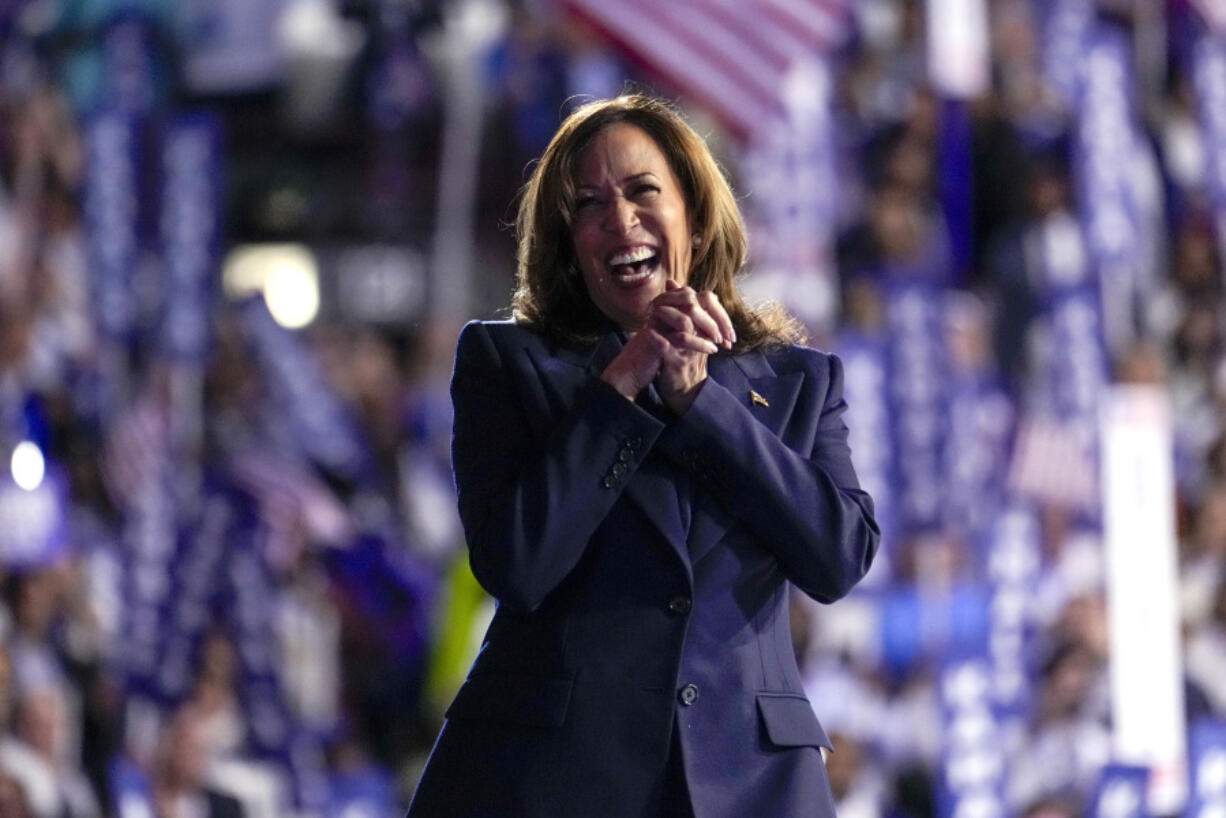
x=28, y=465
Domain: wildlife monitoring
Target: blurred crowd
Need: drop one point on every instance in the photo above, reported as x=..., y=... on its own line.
x=204, y=614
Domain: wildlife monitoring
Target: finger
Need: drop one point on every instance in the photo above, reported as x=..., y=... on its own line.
x=656, y=341
x=670, y=319
x=704, y=324
x=689, y=342
x=678, y=296
x=688, y=302
x=710, y=302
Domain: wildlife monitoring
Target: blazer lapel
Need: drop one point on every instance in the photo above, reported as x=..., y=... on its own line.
x=565, y=372
x=770, y=398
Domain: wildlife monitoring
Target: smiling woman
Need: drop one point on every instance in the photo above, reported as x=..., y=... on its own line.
x=643, y=463
x=553, y=294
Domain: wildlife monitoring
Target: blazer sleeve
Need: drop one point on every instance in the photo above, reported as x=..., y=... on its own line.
x=530, y=505
x=807, y=507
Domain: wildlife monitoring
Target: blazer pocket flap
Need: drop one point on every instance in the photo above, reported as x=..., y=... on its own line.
x=790, y=722
x=533, y=701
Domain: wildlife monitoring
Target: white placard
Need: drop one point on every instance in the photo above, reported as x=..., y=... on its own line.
x=958, y=47
x=1139, y=532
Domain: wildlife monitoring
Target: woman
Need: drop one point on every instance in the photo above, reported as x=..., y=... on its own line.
x=643, y=462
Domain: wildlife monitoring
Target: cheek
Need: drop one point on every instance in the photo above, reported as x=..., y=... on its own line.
x=581, y=245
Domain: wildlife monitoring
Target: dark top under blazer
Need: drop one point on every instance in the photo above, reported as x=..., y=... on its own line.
x=640, y=563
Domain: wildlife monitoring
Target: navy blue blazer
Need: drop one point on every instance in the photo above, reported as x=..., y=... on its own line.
x=640, y=562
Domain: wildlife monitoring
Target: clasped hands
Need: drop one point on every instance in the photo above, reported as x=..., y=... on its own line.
x=682, y=328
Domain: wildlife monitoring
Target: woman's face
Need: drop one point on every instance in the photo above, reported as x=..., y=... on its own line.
x=631, y=231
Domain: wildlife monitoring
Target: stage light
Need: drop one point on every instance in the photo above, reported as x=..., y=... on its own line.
x=287, y=275
x=28, y=466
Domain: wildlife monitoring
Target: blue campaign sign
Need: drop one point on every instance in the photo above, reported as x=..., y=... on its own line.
x=1104, y=146
x=190, y=230
x=866, y=387
x=980, y=428
x=973, y=753
x=1207, y=763
x=151, y=536
x=918, y=390
x=195, y=577
x=1013, y=561
x=111, y=199
x=1209, y=80
x=1109, y=158
x=1065, y=26
x=1080, y=370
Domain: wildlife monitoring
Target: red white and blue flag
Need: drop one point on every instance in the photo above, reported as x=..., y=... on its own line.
x=736, y=59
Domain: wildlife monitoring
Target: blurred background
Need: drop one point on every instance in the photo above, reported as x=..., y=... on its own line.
x=238, y=239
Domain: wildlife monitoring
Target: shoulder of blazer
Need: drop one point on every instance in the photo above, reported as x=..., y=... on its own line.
x=506, y=334
x=795, y=358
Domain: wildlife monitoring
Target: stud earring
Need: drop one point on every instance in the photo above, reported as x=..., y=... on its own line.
x=696, y=239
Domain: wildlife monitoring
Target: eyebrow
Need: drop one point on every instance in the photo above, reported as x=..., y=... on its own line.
x=634, y=177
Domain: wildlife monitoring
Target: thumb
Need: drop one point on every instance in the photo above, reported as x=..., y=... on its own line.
x=670, y=285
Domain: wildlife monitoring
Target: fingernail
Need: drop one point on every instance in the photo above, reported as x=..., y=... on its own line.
x=713, y=348
x=734, y=336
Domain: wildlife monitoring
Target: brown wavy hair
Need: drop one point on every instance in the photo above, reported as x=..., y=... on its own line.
x=550, y=294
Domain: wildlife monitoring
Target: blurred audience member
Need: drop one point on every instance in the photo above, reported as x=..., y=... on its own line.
x=1205, y=653
x=858, y=786
x=41, y=760
x=1068, y=746
x=180, y=787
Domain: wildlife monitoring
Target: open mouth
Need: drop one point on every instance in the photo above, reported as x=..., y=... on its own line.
x=634, y=265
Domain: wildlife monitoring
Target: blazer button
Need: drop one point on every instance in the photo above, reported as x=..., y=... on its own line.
x=619, y=469
x=689, y=694
x=608, y=482
x=680, y=605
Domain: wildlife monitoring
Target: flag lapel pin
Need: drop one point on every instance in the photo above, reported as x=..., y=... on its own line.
x=757, y=400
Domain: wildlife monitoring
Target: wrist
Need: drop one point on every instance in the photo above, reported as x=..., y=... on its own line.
x=622, y=384
x=681, y=400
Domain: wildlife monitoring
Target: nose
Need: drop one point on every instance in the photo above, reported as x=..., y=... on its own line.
x=620, y=215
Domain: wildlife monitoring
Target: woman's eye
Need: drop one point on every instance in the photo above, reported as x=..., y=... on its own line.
x=585, y=202
x=646, y=190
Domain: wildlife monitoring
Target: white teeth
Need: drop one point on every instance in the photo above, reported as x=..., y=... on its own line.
x=630, y=278
x=632, y=256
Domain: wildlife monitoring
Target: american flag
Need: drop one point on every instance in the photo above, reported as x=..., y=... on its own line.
x=735, y=58
x=294, y=504
x=1050, y=465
